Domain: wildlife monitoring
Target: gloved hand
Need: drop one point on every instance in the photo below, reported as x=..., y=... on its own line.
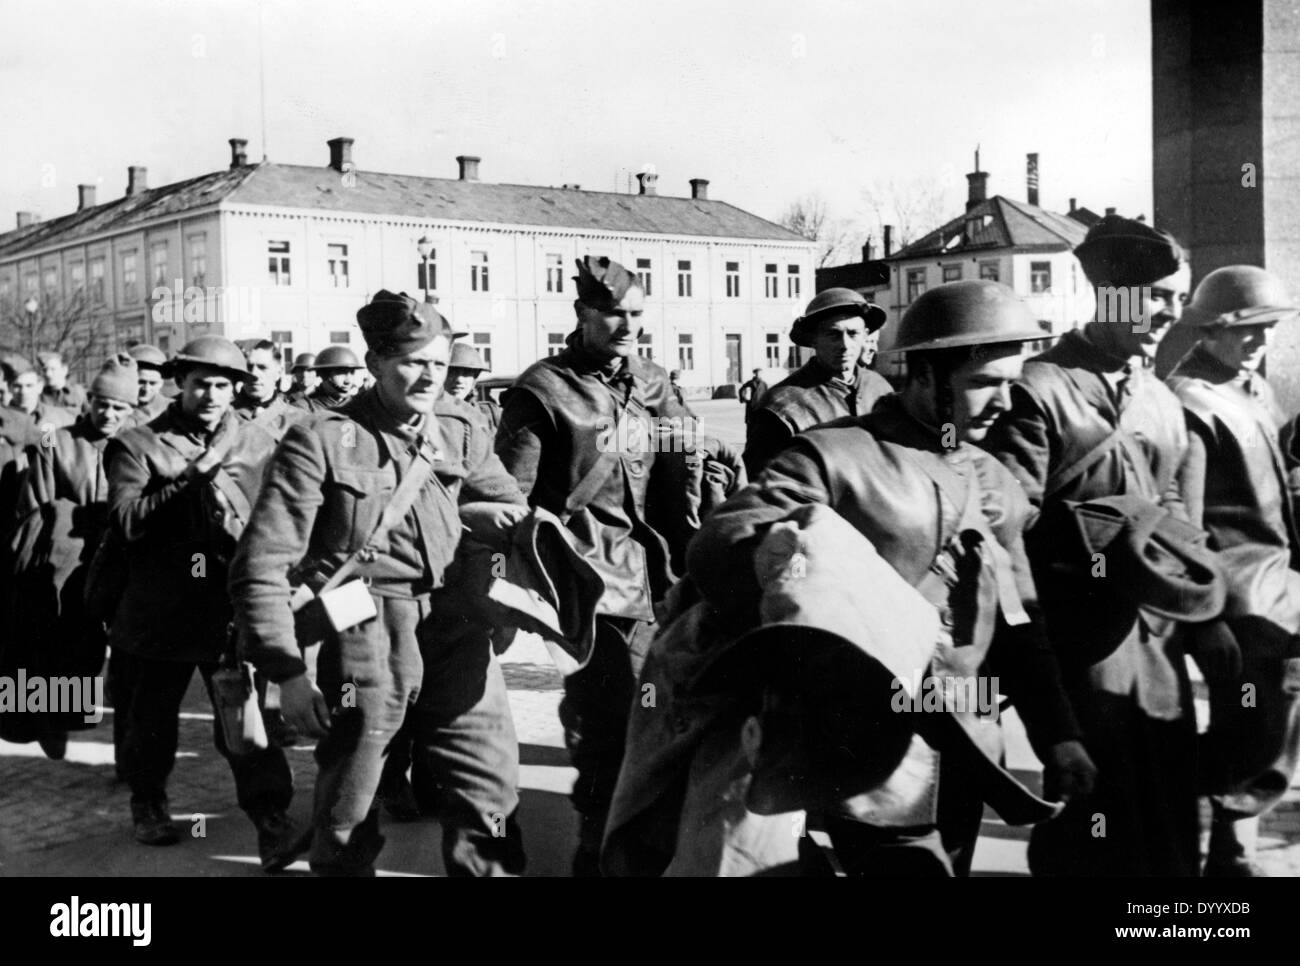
x=1215, y=650
x=492, y=523
x=1069, y=772
x=304, y=707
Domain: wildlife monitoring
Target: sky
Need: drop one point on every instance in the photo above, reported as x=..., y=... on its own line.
x=768, y=99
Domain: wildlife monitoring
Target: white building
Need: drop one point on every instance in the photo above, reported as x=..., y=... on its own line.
x=291, y=252
x=1016, y=243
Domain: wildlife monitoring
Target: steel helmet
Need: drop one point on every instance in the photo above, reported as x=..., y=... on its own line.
x=147, y=356
x=466, y=357
x=212, y=352
x=304, y=360
x=973, y=312
x=337, y=357
x=1238, y=295
x=835, y=303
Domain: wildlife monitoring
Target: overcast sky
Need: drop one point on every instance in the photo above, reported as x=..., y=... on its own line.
x=769, y=99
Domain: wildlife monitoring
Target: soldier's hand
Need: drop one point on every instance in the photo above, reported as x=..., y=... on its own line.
x=303, y=707
x=491, y=523
x=206, y=464
x=1069, y=772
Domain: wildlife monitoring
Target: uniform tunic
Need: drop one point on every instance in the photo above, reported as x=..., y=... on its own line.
x=276, y=416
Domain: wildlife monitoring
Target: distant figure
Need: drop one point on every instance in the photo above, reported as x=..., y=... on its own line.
x=678, y=392
x=59, y=390
x=751, y=394
x=463, y=375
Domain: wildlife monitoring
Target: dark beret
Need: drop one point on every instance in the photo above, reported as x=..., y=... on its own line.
x=602, y=283
x=396, y=324
x=1121, y=251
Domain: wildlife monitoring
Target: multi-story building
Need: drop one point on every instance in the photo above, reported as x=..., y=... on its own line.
x=1013, y=242
x=290, y=252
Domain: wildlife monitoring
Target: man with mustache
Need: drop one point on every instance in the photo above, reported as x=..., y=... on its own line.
x=555, y=438
x=837, y=325
x=1240, y=494
x=1089, y=419
x=327, y=488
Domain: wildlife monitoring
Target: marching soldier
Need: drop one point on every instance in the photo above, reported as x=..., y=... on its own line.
x=63, y=512
x=59, y=390
x=1239, y=493
x=180, y=492
x=149, y=362
x=467, y=366
x=833, y=383
x=1089, y=419
x=751, y=394
x=304, y=378
x=553, y=439
x=28, y=416
x=912, y=478
x=339, y=371
x=260, y=401
x=327, y=501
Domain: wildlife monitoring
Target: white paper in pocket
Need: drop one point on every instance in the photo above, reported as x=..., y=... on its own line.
x=348, y=605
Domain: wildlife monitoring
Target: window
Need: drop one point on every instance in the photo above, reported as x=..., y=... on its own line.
x=198, y=260
x=792, y=287
x=128, y=277
x=554, y=343
x=158, y=263
x=773, y=346
x=555, y=273
x=989, y=272
x=77, y=276
x=478, y=274
x=337, y=263
x=97, y=280
x=770, y=282
x=131, y=332
x=483, y=343
x=6, y=287
x=1040, y=277
x=645, y=346
x=915, y=283
x=432, y=281
x=31, y=285
x=733, y=280
x=685, y=352
x=340, y=338
x=952, y=273
x=50, y=279
x=684, y=280
x=277, y=263
x=643, y=274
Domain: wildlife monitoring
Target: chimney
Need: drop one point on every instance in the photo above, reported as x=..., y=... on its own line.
x=1073, y=208
x=978, y=182
x=26, y=218
x=468, y=166
x=868, y=251
x=699, y=189
x=340, y=154
x=137, y=180
x=1110, y=211
x=238, y=152
x=85, y=196
x=571, y=187
x=889, y=240
x=1031, y=177
x=648, y=180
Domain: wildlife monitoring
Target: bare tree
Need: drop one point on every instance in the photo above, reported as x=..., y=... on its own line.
x=53, y=321
x=810, y=218
x=914, y=207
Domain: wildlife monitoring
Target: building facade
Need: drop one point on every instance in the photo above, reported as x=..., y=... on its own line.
x=289, y=252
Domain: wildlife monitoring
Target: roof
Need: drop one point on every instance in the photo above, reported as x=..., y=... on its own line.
x=856, y=275
x=1003, y=224
x=1085, y=216
x=410, y=196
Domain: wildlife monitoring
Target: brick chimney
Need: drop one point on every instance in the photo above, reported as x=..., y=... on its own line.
x=1031, y=178
x=700, y=189
x=238, y=152
x=26, y=218
x=137, y=180
x=868, y=251
x=889, y=240
x=468, y=166
x=340, y=154
x=648, y=181
x=1073, y=205
x=978, y=182
x=1110, y=211
x=85, y=196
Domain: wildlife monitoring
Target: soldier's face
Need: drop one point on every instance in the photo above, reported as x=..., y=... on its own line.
x=150, y=382
x=206, y=395
x=306, y=379
x=870, y=345
x=56, y=373
x=981, y=389
x=460, y=382
x=607, y=335
x=409, y=385
x=1241, y=347
x=263, y=375
x=839, y=343
x=27, y=390
x=108, y=415
x=344, y=382
x=1153, y=309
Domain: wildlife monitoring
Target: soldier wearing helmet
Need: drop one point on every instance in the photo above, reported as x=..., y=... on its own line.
x=467, y=366
x=181, y=490
x=339, y=371
x=1090, y=420
x=946, y=516
x=1238, y=490
x=839, y=325
x=304, y=378
x=151, y=401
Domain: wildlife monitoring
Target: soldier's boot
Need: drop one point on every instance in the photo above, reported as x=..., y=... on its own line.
x=280, y=840
x=1232, y=847
x=153, y=826
x=591, y=829
x=398, y=798
x=54, y=744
